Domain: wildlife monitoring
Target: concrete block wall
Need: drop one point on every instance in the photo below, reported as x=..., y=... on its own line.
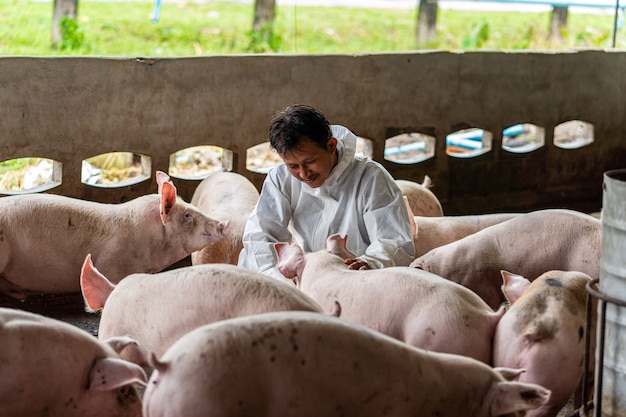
x=70, y=108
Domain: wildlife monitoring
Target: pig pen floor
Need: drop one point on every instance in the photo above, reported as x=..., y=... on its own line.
x=65, y=307
x=70, y=309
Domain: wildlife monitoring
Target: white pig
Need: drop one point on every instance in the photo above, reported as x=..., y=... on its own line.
x=157, y=309
x=225, y=196
x=44, y=238
x=432, y=232
x=303, y=365
x=408, y=304
x=53, y=369
x=529, y=244
x=421, y=200
x=543, y=332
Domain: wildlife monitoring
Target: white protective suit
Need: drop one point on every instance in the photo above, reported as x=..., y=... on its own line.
x=359, y=198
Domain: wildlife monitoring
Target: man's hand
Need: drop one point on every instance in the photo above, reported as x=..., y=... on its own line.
x=356, y=263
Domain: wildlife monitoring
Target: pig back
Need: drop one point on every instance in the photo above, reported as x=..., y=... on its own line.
x=432, y=232
x=225, y=196
x=421, y=200
x=529, y=244
x=157, y=309
x=48, y=365
x=29, y=223
x=304, y=364
x=415, y=306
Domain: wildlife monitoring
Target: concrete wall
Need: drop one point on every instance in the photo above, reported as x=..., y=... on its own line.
x=69, y=109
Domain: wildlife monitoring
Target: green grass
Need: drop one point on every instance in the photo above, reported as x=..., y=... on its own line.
x=105, y=28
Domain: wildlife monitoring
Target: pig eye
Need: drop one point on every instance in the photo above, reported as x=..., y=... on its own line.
x=188, y=215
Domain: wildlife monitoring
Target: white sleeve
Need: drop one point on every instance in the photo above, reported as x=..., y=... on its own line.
x=388, y=226
x=268, y=223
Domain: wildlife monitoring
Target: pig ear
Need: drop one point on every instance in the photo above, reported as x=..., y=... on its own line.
x=161, y=177
x=118, y=343
x=94, y=286
x=509, y=374
x=344, y=246
x=427, y=182
x=155, y=363
x=336, y=310
x=112, y=373
x=411, y=216
x=168, y=199
x=513, y=285
x=289, y=257
x=510, y=398
x=338, y=245
x=333, y=241
x=135, y=353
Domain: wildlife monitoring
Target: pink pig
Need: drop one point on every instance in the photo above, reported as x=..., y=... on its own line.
x=432, y=232
x=408, y=304
x=225, y=196
x=54, y=369
x=530, y=244
x=543, y=332
x=421, y=200
x=45, y=238
x=301, y=364
x=156, y=309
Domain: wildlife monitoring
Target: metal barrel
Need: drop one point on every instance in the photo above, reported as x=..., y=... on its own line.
x=611, y=361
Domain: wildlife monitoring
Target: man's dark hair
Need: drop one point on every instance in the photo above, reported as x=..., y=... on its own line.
x=295, y=124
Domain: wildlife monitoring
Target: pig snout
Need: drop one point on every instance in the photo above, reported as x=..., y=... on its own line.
x=216, y=229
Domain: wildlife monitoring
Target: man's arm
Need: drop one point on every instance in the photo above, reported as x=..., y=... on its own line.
x=267, y=224
x=387, y=222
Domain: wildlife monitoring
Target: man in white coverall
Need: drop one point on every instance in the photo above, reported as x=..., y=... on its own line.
x=322, y=188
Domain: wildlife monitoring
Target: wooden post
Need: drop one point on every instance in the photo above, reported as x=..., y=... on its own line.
x=426, y=30
x=263, y=14
x=62, y=8
x=557, y=23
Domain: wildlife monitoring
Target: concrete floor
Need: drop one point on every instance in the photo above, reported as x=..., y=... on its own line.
x=65, y=307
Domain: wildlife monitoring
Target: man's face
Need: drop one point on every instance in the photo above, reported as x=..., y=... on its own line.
x=312, y=164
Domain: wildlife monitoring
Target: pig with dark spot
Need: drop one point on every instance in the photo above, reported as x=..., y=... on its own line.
x=53, y=369
x=225, y=196
x=543, y=332
x=421, y=200
x=300, y=364
x=529, y=244
x=46, y=238
x=408, y=304
x=156, y=309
